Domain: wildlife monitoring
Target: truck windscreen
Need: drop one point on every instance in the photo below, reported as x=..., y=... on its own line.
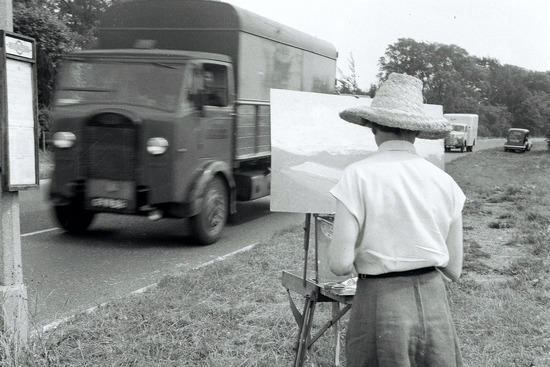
x=458, y=128
x=148, y=84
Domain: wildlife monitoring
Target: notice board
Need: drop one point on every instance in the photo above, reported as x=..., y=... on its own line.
x=18, y=115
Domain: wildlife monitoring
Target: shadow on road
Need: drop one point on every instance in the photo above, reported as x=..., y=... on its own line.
x=125, y=238
x=130, y=232
x=249, y=211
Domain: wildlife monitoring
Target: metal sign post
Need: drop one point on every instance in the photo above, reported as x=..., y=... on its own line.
x=18, y=168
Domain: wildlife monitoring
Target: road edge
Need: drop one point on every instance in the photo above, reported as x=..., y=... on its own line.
x=55, y=324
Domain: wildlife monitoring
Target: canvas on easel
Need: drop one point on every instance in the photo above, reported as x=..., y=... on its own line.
x=311, y=146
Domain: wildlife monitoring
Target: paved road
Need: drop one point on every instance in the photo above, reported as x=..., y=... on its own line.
x=481, y=144
x=120, y=254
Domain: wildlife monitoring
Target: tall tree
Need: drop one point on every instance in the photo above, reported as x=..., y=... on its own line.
x=52, y=36
x=409, y=57
x=503, y=95
x=450, y=76
x=81, y=16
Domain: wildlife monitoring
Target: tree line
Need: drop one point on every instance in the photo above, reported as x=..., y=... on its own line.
x=503, y=96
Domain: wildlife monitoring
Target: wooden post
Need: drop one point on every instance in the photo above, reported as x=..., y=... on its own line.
x=307, y=228
x=304, y=332
x=13, y=293
x=336, y=335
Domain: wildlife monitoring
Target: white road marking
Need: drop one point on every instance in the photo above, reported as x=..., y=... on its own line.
x=39, y=232
x=55, y=324
x=221, y=258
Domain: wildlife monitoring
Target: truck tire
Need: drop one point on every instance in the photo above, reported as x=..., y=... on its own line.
x=209, y=223
x=73, y=217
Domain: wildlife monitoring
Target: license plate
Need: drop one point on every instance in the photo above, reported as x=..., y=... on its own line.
x=109, y=203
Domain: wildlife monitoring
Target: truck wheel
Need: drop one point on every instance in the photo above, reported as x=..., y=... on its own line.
x=469, y=148
x=73, y=217
x=209, y=223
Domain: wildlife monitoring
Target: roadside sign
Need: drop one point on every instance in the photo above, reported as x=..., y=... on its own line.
x=18, y=115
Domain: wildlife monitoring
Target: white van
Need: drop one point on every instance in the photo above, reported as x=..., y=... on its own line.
x=464, y=133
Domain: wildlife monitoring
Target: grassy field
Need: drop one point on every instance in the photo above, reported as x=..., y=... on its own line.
x=236, y=313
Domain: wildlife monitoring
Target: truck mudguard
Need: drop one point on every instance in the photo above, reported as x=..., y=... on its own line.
x=206, y=173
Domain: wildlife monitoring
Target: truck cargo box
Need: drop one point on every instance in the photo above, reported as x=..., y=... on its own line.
x=265, y=54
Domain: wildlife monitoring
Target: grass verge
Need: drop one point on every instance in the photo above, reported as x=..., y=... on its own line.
x=502, y=303
x=236, y=313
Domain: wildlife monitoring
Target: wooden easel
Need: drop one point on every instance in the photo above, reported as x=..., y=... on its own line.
x=313, y=292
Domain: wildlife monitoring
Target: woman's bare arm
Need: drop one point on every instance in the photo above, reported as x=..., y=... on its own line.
x=456, y=252
x=341, y=250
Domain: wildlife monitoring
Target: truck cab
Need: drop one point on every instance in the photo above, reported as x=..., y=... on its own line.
x=124, y=142
x=457, y=137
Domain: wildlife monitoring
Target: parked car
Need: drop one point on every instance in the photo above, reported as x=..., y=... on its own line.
x=517, y=140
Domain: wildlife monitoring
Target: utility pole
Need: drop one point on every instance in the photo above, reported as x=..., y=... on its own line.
x=13, y=293
x=6, y=15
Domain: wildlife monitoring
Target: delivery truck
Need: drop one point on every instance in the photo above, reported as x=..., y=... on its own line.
x=168, y=115
x=464, y=133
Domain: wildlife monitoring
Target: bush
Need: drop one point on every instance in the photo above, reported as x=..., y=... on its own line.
x=52, y=37
x=44, y=125
x=494, y=120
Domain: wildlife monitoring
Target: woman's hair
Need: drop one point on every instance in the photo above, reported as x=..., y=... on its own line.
x=388, y=129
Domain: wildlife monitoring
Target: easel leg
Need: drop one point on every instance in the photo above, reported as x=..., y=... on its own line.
x=304, y=333
x=336, y=326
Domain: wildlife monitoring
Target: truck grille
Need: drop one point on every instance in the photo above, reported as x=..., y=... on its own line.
x=110, y=147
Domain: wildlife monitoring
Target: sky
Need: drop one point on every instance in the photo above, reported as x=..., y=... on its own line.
x=515, y=32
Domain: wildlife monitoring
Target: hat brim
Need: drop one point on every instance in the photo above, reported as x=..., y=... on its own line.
x=428, y=127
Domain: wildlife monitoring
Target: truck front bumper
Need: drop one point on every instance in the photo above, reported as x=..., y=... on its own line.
x=454, y=144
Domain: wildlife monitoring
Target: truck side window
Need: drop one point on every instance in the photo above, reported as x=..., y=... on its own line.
x=215, y=85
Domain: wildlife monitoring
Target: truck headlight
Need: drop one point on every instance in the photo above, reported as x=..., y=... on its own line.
x=156, y=146
x=63, y=139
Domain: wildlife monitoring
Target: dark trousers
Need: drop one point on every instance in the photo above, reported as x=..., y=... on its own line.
x=402, y=321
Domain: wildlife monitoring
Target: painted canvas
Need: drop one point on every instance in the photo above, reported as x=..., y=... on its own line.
x=311, y=146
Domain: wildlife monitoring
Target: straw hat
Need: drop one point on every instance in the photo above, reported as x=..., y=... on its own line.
x=398, y=103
